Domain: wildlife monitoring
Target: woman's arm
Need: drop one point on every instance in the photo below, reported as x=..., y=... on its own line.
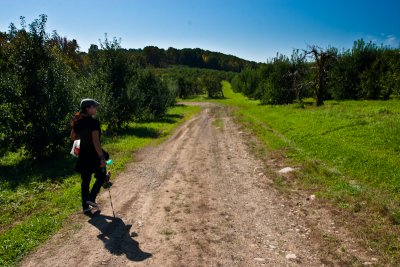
x=73, y=135
x=97, y=146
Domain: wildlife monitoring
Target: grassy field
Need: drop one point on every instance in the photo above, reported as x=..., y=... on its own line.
x=35, y=199
x=348, y=153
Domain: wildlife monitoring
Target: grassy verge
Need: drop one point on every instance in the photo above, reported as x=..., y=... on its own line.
x=348, y=153
x=36, y=198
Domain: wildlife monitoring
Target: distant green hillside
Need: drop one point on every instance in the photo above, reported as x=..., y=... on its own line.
x=191, y=57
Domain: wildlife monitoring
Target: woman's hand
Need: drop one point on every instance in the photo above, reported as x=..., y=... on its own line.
x=102, y=163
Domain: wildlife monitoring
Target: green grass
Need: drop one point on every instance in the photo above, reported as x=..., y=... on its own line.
x=348, y=152
x=35, y=198
x=358, y=139
x=197, y=98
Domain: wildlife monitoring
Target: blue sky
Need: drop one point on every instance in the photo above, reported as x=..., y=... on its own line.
x=252, y=29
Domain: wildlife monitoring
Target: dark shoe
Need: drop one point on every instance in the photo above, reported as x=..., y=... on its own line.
x=93, y=204
x=107, y=185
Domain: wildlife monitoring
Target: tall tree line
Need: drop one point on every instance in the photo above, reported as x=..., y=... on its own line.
x=195, y=58
x=366, y=71
x=43, y=77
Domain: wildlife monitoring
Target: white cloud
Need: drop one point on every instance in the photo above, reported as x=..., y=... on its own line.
x=384, y=39
x=391, y=40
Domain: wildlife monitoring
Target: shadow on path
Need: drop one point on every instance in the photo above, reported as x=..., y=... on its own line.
x=116, y=237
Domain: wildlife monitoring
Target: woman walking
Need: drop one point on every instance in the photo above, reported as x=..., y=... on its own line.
x=91, y=155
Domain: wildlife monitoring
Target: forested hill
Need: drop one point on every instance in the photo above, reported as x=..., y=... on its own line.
x=191, y=57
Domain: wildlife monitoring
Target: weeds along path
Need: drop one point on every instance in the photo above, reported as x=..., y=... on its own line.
x=200, y=199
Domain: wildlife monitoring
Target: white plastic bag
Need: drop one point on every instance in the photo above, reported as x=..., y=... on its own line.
x=75, y=148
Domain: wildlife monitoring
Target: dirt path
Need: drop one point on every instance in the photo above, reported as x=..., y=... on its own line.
x=201, y=199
